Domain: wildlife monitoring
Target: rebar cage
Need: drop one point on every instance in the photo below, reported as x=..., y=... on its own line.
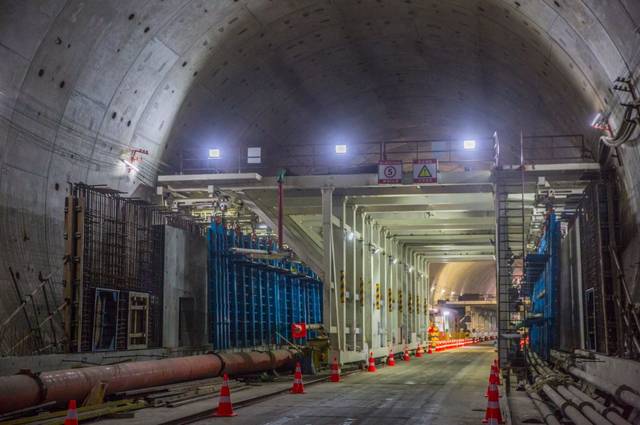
x=113, y=271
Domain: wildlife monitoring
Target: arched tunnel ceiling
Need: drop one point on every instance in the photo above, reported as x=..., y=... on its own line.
x=455, y=279
x=83, y=82
x=389, y=70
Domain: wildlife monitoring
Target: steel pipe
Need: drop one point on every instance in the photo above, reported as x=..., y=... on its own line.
x=567, y=408
x=586, y=407
x=27, y=389
x=622, y=392
x=542, y=407
x=608, y=412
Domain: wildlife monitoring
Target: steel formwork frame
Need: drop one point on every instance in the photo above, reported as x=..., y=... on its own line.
x=254, y=302
x=376, y=289
x=543, y=271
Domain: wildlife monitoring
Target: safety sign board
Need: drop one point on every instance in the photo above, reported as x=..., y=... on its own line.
x=389, y=172
x=425, y=171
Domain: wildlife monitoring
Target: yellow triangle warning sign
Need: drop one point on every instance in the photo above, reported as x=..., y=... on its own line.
x=424, y=172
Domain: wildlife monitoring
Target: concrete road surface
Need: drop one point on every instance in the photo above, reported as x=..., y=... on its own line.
x=443, y=388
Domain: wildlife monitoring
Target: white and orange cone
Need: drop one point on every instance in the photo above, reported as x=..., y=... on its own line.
x=419, y=351
x=335, y=371
x=225, y=408
x=298, y=386
x=406, y=357
x=391, y=361
x=496, y=373
x=372, y=363
x=72, y=414
x=493, y=416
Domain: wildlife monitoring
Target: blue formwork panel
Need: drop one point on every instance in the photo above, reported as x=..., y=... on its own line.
x=254, y=302
x=543, y=269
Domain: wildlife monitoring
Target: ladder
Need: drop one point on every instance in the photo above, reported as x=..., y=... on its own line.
x=510, y=246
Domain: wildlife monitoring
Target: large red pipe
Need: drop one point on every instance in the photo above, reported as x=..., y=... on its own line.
x=26, y=390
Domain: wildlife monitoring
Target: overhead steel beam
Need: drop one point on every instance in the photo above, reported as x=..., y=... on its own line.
x=445, y=239
x=428, y=216
x=433, y=200
x=337, y=181
x=207, y=179
x=445, y=208
x=437, y=257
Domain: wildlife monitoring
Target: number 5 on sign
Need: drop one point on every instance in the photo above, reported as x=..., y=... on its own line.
x=389, y=172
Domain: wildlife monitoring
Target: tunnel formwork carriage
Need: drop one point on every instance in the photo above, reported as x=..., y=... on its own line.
x=253, y=302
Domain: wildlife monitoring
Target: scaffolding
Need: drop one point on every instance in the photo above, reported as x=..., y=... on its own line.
x=549, y=173
x=510, y=251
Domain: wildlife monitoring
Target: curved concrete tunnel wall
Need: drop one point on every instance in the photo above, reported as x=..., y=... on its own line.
x=81, y=82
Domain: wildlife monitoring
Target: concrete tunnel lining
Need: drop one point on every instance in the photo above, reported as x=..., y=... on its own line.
x=85, y=81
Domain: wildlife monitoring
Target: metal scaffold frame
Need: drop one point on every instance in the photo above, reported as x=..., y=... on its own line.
x=376, y=289
x=548, y=173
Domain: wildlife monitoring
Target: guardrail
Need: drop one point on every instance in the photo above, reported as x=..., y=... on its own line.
x=457, y=343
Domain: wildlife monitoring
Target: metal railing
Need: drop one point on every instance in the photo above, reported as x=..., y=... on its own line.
x=360, y=157
x=310, y=158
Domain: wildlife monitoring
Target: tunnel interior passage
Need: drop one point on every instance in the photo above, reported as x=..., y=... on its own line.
x=90, y=86
x=355, y=177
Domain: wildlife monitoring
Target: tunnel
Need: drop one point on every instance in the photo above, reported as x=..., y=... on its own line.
x=234, y=186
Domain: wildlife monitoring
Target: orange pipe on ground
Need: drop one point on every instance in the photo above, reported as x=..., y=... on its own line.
x=26, y=389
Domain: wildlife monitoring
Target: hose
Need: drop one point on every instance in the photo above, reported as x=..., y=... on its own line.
x=626, y=129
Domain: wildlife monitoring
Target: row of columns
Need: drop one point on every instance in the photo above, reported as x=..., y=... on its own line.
x=376, y=293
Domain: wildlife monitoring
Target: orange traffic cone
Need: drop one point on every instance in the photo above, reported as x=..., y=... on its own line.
x=406, y=356
x=372, y=363
x=493, y=380
x=298, y=386
x=429, y=351
x=495, y=373
x=492, y=390
x=225, y=408
x=392, y=358
x=493, y=416
x=419, y=351
x=335, y=371
x=72, y=414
